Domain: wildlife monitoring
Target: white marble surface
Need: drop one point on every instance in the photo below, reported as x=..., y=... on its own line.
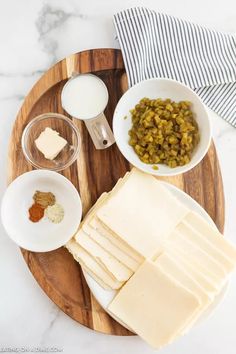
x=33, y=36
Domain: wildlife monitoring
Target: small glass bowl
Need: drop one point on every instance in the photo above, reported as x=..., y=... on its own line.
x=66, y=130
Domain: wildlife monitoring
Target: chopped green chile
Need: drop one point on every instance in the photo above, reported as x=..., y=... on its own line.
x=163, y=131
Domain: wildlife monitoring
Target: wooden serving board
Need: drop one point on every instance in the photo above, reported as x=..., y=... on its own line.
x=95, y=172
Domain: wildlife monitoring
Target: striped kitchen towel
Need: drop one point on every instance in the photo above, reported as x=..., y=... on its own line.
x=158, y=45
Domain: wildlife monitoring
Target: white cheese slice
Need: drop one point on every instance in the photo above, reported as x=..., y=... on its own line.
x=115, y=269
x=201, y=241
x=110, y=248
x=212, y=235
x=154, y=305
x=99, y=280
x=191, y=268
x=199, y=256
x=214, y=280
x=142, y=209
x=92, y=267
x=50, y=143
x=169, y=265
x=104, y=196
x=112, y=237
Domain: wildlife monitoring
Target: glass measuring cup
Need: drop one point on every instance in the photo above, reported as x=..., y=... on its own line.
x=85, y=97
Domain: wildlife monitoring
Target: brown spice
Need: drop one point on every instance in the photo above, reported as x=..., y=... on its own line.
x=36, y=212
x=44, y=199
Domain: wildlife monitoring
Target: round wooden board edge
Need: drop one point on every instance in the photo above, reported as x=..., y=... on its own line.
x=25, y=253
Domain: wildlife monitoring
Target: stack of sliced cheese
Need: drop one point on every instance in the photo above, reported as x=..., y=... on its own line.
x=125, y=227
x=168, y=260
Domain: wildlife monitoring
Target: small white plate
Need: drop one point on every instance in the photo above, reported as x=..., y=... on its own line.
x=44, y=235
x=160, y=88
x=104, y=297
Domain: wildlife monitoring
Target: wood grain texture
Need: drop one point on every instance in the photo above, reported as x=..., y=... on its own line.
x=94, y=172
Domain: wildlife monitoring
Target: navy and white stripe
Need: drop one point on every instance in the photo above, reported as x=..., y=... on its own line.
x=158, y=45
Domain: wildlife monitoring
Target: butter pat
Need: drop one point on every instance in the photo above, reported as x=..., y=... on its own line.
x=50, y=143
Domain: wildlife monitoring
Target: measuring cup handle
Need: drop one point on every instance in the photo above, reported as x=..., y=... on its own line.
x=100, y=132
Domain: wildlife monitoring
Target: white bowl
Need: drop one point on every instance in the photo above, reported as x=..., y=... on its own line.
x=44, y=235
x=160, y=88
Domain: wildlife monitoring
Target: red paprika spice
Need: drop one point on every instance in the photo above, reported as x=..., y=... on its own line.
x=36, y=212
